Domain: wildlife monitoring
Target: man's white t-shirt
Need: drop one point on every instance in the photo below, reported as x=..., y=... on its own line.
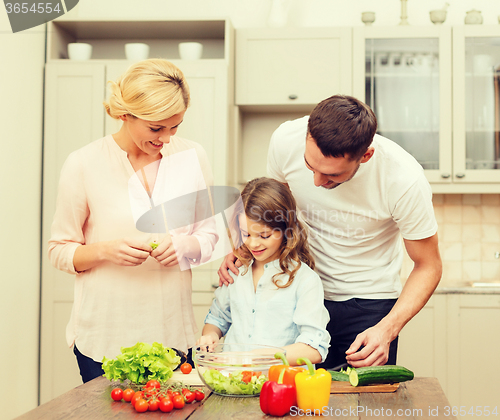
x=355, y=229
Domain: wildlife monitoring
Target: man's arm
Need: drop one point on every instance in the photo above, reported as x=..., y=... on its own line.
x=419, y=287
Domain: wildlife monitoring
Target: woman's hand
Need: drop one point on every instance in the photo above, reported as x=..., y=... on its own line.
x=165, y=253
x=230, y=262
x=126, y=252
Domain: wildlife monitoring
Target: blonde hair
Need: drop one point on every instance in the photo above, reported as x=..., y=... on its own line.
x=269, y=202
x=151, y=90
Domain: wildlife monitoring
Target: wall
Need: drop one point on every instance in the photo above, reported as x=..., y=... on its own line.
x=246, y=13
x=469, y=237
x=21, y=84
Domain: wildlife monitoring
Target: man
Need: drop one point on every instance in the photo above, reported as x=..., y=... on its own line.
x=359, y=192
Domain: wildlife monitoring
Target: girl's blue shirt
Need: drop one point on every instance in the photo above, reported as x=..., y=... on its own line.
x=271, y=315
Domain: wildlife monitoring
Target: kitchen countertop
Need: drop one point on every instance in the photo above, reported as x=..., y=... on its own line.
x=421, y=398
x=485, y=290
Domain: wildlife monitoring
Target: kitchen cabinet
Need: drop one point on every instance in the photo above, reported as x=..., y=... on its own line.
x=74, y=116
x=455, y=339
x=427, y=97
x=291, y=66
x=476, y=104
x=281, y=74
x=473, y=342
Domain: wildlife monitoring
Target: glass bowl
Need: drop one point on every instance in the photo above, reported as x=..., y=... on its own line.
x=235, y=370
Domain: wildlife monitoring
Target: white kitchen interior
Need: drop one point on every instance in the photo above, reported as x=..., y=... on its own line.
x=434, y=88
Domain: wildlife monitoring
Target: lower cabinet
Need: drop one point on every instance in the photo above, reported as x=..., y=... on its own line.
x=456, y=338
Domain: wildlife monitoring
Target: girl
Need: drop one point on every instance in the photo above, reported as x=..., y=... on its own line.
x=277, y=298
x=126, y=291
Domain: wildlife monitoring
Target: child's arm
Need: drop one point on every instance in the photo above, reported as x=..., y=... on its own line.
x=210, y=336
x=296, y=350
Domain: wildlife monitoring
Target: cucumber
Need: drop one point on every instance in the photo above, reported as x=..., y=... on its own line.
x=339, y=376
x=379, y=375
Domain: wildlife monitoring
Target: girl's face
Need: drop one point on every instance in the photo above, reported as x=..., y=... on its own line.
x=149, y=136
x=262, y=241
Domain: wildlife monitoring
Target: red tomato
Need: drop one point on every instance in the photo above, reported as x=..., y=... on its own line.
x=141, y=405
x=178, y=401
x=137, y=396
x=199, y=395
x=128, y=394
x=188, y=395
x=153, y=383
x=153, y=404
x=186, y=368
x=175, y=393
x=117, y=394
x=166, y=405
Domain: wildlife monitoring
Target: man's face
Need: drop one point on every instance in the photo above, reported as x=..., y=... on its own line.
x=330, y=172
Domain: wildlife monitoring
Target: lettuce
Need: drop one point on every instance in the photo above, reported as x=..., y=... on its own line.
x=233, y=384
x=142, y=362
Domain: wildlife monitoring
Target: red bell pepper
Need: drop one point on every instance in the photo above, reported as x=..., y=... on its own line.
x=277, y=398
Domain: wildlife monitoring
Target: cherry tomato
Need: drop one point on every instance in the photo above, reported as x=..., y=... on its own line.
x=166, y=405
x=199, y=395
x=178, y=401
x=137, y=396
x=141, y=405
x=188, y=395
x=153, y=383
x=175, y=393
x=154, y=404
x=128, y=394
x=186, y=368
x=117, y=394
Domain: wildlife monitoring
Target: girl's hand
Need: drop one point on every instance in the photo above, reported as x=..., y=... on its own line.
x=208, y=342
x=126, y=252
x=165, y=253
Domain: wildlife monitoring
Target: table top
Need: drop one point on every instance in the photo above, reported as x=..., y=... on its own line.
x=419, y=399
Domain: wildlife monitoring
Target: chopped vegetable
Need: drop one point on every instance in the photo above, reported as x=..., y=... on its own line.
x=141, y=363
x=153, y=245
x=235, y=383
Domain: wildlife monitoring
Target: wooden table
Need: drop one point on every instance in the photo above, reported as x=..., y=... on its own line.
x=419, y=399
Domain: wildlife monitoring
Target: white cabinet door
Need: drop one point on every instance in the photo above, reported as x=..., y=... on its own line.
x=476, y=104
x=292, y=66
x=71, y=121
x=473, y=349
x=422, y=342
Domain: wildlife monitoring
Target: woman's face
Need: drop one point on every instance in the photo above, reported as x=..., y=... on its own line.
x=150, y=136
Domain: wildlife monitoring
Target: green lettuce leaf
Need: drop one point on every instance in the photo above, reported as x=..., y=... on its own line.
x=142, y=362
x=233, y=383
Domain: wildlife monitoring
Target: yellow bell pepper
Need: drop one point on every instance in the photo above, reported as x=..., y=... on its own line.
x=313, y=387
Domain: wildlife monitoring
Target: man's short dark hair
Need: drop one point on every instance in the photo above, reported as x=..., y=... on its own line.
x=342, y=126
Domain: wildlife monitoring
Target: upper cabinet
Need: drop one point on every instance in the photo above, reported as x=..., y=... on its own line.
x=435, y=91
x=403, y=74
x=476, y=104
x=299, y=66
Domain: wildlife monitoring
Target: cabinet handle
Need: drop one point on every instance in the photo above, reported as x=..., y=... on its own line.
x=445, y=175
x=292, y=97
x=460, y=175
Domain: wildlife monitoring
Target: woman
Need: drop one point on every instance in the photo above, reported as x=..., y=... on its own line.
x=126, y=291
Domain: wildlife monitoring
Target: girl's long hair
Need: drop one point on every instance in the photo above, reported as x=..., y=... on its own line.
x=269, y=202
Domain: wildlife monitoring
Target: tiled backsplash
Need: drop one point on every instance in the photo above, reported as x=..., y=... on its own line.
x=469, y=237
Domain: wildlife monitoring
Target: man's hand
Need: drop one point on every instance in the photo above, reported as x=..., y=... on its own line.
x=230, y=262
x=376, y=342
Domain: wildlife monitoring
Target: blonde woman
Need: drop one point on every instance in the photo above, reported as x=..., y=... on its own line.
x=126, y=291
